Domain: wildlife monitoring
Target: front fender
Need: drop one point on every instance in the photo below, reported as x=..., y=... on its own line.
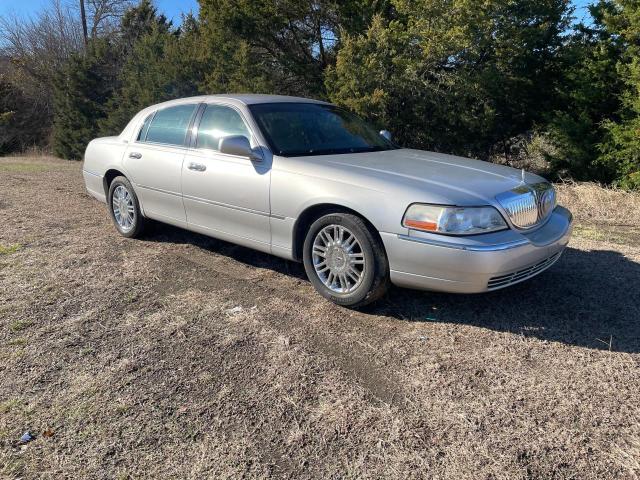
x=293, y=193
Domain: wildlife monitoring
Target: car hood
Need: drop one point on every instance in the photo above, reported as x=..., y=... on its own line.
x=460, y=180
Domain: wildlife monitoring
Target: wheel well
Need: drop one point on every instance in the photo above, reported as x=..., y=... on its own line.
x=108, y=178
x=314, y=212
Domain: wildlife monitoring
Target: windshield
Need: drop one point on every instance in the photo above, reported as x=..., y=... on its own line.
x=302, y=129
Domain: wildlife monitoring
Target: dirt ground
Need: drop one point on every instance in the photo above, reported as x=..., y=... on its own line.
x=180, y=356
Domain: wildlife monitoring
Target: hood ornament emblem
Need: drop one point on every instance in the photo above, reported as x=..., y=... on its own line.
x=523, y=181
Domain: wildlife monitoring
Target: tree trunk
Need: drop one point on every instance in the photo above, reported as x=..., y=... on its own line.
x=83, y=16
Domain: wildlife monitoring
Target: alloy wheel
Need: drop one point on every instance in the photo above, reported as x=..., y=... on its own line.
x=124, y=209
x=338, y=259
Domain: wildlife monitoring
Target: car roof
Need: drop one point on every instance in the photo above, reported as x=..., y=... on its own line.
x=253, y=98
x=241, y=98
x=233, y=99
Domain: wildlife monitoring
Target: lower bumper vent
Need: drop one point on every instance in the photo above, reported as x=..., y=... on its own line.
x=521, y=275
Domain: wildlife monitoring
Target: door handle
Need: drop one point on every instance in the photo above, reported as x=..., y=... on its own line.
x=197, y=167
x=135, y=155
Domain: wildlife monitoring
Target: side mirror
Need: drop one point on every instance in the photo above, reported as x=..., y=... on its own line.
x=386, y=134
x=237, y=145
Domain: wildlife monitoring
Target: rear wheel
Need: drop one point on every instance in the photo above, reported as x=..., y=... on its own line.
x=345, y=261
x=125, y=208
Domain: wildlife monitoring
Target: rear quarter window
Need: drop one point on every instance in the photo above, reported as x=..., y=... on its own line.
x=142, y=135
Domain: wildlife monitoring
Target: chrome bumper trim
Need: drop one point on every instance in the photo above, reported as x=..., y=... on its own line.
x=470, y=248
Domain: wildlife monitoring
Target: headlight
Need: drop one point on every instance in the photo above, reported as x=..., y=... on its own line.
x=453, y=220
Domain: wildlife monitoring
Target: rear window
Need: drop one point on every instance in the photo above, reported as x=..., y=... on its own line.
x=170, y=125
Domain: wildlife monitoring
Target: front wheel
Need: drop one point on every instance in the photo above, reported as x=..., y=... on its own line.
x=125, y=208
x=345, y=261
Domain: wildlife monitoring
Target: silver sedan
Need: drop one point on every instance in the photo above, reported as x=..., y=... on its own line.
x=308, y=181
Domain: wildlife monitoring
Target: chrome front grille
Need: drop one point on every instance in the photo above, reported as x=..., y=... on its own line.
x=522, y=275
x=528, y=205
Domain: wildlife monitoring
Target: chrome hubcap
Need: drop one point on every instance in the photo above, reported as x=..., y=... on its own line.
x=124, y=210
x=338, y=259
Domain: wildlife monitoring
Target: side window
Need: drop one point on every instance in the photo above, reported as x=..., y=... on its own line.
x=142, y=135
x=217, y=122
x=170, y=125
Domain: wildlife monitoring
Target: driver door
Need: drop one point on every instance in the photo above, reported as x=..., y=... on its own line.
x=226, y=195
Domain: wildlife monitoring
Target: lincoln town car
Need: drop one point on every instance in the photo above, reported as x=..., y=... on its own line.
x=309, y=181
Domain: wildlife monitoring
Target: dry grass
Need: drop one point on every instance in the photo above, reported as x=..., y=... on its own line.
x=179, y=356
x=594, y=204
x=603, y=214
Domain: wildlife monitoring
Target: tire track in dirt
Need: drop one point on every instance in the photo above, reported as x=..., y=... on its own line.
x=204, y=270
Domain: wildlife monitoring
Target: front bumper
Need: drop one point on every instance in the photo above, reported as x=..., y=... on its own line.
x=478, y=263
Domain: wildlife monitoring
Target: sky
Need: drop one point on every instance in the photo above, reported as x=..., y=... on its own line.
x=581, y=9
x=173, y=8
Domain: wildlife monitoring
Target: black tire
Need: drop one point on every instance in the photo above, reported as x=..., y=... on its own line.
x=138, y=220
x=375, y=276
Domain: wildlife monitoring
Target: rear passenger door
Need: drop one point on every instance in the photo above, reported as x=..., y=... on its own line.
x=154, y=161
x=228, y=195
